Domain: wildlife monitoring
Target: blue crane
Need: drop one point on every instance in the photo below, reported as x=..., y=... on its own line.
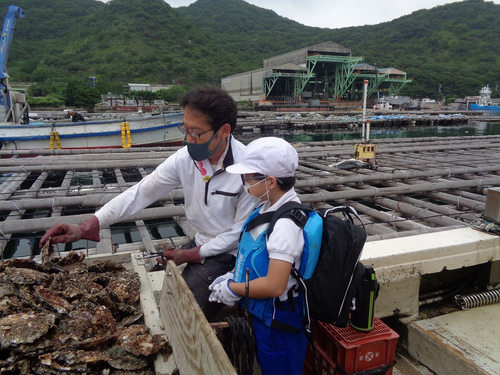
x=9, y=25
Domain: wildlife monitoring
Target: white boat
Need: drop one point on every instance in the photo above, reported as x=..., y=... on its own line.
x=130, y=131
x=18, y=132
x=383, y=104
x=484, y=102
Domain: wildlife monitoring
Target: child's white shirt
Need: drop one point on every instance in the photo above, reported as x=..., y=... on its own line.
x=286, y=242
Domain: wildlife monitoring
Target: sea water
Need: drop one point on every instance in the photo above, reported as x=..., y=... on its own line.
x=475, y=128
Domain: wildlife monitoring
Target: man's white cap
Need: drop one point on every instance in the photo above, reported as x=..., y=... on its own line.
x=269, y=156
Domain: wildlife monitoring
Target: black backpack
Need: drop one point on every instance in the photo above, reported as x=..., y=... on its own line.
x=340, y=284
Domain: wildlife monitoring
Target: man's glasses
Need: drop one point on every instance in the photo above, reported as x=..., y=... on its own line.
x=193, y=134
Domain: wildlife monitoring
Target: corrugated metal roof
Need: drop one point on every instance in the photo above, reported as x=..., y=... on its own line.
x=392, y=71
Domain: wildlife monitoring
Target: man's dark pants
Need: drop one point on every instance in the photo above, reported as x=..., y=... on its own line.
x=198, y=277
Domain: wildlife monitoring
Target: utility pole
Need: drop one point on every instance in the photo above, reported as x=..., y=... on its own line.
x=365, y=151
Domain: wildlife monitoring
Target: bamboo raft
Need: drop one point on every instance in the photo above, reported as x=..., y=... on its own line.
x=332, y=121
x=417, y=186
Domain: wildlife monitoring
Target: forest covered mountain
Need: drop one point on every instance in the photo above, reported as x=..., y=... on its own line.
x=455, y=47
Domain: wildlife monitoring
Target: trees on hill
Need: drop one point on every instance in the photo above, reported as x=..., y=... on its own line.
x=454, y=47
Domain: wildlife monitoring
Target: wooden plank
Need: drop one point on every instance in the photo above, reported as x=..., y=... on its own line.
x=196, y=347
x=139, y=246
x=132, y=247
x=105, y=245
x=150, y=291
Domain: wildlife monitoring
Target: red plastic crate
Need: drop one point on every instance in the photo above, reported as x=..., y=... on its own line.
x=324, y=365
x=353, y=350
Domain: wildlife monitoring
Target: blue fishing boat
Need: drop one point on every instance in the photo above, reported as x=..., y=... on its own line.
x=484, y=103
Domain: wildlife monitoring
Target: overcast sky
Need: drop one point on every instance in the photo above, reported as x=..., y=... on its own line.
x=339, y=13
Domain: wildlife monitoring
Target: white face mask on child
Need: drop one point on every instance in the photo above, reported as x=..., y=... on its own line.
x=247, y=186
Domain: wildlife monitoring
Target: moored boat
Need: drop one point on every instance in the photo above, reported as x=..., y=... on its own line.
x=484, y=103
x=131, y=131
x=18, y=132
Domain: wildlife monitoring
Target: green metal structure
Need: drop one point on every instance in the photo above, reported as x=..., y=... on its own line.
x=329, y=76
x=382, y=80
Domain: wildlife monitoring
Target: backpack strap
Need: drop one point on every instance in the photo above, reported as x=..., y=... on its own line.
x=289, y=210
x=293, y=210
x=259, y=220
x=347, y=211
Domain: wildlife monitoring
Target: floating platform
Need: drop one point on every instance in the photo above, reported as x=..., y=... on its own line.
x=290, y=121
x=414, y=186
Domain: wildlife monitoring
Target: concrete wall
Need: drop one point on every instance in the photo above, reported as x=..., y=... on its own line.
x=245, y=86
x=400, y=263
x=248, y=85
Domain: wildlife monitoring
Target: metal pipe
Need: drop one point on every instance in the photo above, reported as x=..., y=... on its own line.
x=365, y=89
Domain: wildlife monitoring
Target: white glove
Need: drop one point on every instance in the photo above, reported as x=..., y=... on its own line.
x=223, y=294
x=227, y=276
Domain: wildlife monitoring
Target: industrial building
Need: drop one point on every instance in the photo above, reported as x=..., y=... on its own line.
x=314, y=74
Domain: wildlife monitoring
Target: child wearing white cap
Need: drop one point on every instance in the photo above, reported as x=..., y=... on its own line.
x=267, y=171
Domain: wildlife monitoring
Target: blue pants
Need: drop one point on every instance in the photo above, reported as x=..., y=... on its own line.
x=278, y=351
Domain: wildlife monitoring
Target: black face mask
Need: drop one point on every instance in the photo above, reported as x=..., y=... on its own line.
x=200, y=151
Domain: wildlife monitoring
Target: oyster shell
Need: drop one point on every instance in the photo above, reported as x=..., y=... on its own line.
x=122, y=360
x=62, y=317
x=24, y=328
x=7, y=289
x=18, y=263
x=126, y=287
x=47, y=251
x=136, y=339
x=53, y=300
x=144, y=371
x=24, y=276
x=86, y=321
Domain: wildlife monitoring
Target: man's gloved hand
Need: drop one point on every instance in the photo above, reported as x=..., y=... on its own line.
x=179, y=256
x=159, y=259
x=224, y=294
x=64, y=233
x=227, y=276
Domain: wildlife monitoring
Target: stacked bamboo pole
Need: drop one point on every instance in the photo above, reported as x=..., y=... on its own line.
x=415, y=186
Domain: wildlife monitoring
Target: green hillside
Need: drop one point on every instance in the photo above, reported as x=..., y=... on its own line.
x=454, y=46
x=123, y=41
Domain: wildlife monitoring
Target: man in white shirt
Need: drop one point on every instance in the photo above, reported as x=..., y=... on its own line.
x=215, y=202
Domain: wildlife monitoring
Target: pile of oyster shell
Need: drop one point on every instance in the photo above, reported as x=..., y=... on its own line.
x=67, y=317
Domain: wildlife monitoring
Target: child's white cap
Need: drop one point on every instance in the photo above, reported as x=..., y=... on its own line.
x=269, y=156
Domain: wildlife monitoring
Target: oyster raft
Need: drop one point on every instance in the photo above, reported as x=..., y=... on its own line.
x=64, y=316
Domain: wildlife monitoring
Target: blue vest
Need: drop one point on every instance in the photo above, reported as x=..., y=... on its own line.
x=252, y=254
